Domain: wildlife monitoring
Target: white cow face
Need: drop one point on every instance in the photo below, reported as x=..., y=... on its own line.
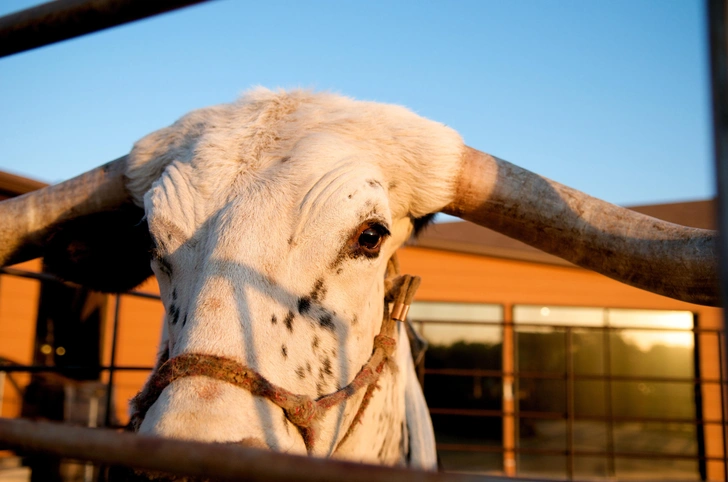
x=271, y=245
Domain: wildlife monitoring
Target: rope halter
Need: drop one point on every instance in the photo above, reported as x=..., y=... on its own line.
x=301, y=410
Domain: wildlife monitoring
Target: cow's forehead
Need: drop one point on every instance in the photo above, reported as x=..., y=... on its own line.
x=313, y=131
x=306, y=191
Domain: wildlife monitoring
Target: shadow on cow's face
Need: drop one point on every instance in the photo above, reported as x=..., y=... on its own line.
x=282, y=270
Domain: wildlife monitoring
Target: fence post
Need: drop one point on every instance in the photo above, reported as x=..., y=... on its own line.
x=718, y=41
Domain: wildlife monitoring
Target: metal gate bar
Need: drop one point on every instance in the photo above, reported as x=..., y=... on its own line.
x=64, y=19
x=197, y=459
x=718, y=50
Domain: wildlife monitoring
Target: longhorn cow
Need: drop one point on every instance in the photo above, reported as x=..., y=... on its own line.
x=269, y=224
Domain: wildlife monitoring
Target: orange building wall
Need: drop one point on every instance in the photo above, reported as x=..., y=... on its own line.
x=18, y=313
x=139, y=331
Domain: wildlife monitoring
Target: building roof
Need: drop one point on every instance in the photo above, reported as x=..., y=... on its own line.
x=466, y=237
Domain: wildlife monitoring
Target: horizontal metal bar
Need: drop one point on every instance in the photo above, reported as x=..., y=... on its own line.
x=64, y=19
x=583, y=453
x=195, y=459
x=474, y=412
x=468, y=412
x=428, y=371
x=475, y=372
x=19, y=273
x=562, y=327
x=61, y=369
x=141, y=294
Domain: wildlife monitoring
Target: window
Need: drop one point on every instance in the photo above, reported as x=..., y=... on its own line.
x=462, y=381
x=606, y=393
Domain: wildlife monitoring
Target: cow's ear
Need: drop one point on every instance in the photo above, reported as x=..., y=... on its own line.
x=106, y=251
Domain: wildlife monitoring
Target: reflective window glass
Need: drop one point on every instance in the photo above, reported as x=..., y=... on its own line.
x=629, y=468
x=470, y=460
x=586, y=466
x=635, y=366
x=655, y=437
x=587, y=351
x=652, y=353
x=652, y=399
x=454, y=345
x=540, y=349
x=590, y=435
x=537, y=433
x=473, y=392
x=590, y=398
x=542, y=395
x=465, y=429
x=650, y=319
x=443, y=311
x=541, y=465
x=558, y=315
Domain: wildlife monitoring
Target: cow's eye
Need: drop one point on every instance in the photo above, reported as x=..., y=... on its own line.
x=370, y=237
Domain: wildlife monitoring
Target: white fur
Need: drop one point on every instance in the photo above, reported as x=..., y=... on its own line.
x=251, y=205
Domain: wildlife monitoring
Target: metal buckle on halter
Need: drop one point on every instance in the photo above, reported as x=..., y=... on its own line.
x=399, y=311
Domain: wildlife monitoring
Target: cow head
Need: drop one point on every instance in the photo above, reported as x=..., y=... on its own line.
x=269, y=223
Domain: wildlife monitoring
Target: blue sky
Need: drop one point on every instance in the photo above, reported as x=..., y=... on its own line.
x=611, y=98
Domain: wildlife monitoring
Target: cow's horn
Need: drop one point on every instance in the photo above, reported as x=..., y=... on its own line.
x=665, y=258
x=26, y=221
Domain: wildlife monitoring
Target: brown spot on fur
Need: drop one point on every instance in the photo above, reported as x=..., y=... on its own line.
x=326, y=367
x=211, y=304
x=273, y=319
x=288, y=321
x=284, y=351
x=319, y=290
x=209, y=391
x=301, y=374
x=173, y=232
x=315, y=343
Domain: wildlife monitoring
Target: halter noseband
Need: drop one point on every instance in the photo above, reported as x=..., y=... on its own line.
x=301, y=410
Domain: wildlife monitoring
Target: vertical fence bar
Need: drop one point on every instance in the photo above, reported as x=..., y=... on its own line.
x=718, y=42
x=611, y=465
x=516, y=400
x=2, y=391
x=569, y=405
x=112, y=362
x=508, y=401
x=721, y=361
